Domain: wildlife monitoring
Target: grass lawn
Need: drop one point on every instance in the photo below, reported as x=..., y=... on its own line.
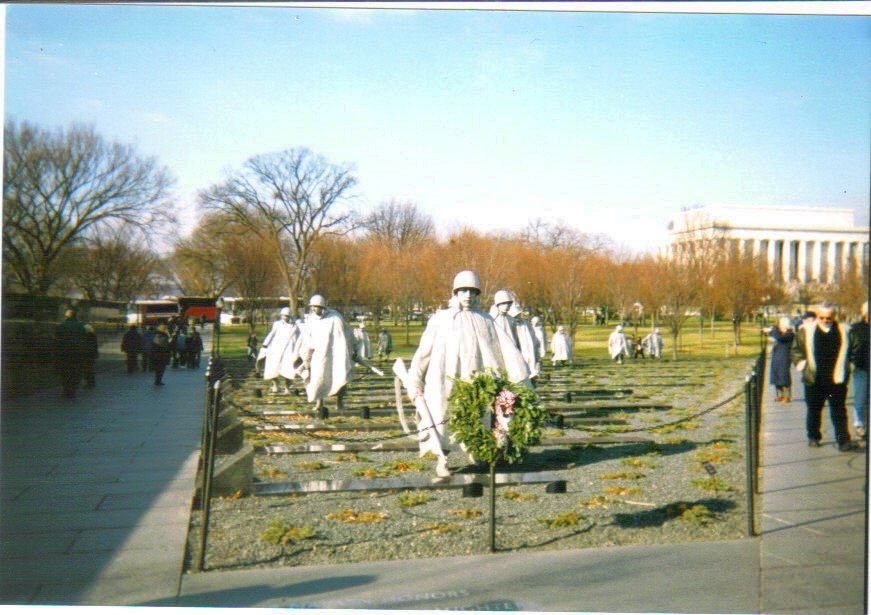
x=591, y=341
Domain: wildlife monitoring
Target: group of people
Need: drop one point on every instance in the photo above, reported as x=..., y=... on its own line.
x=621, y=345
x=158, y=346
x=828, y=355
x=75, y=354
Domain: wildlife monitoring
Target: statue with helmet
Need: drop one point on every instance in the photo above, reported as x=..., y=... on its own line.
x=279, y=351
x=457, y=342
x=515, y=330
x=327, y=354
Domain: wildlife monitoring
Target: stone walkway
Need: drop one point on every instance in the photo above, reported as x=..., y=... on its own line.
x=95, y=492
x=96, y=496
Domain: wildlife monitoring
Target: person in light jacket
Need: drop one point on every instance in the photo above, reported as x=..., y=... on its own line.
x=820, y=354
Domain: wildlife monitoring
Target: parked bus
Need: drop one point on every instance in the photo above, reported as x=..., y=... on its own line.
x=198, y=308
x=151, y=311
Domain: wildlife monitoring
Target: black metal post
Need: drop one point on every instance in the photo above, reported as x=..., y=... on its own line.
x=492, y=507
x=749, y=460
x=207, y=472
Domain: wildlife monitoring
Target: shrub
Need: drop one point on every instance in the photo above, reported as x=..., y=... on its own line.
x=636, y=462
x=567, y=519
x=348, y=515
x=598, y=501
x=413, y=498
x=279, y=532
x=440, y=527
x=310, y=465
x=466, y=513
x=712, y=483
x=517, y=496
x=622, y=490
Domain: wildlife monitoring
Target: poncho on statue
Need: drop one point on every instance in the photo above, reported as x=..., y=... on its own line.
x=329, y=346
x=281, y=350
x=455, y=344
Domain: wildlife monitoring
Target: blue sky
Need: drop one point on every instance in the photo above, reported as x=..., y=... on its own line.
x=609, y=121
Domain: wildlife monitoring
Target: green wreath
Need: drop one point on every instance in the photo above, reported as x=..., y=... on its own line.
x=475, y=408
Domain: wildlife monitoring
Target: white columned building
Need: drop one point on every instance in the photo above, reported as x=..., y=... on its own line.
x=800, y=244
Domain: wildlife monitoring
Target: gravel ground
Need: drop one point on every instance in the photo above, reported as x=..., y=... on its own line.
x=617, y=494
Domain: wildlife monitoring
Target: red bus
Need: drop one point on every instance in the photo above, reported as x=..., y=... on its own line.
x=197, y=308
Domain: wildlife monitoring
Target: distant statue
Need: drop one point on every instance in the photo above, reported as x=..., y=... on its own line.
x=527, y=340
x=652, y=344
x=618, y=345
x=385, y=344
x=540, y=335
x=561, y=347
x=362, y=342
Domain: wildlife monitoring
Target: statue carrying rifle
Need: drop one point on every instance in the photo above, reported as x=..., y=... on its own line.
x=327, y=355
x=457, y=342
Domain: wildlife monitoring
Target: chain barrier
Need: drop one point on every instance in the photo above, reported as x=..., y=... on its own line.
x=412, y=434
x=684, y=419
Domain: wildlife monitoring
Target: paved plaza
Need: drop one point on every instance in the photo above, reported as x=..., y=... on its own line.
x=96, y=495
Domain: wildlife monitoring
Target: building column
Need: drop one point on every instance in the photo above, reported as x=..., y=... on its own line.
x=813, y=260
x=822, y=260
x=852, y=254
x=802, y=261
x=838, y=260
x=787, y=259
x=772, y=262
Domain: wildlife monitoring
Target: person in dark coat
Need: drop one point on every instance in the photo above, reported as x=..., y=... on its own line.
x=147, y=346
x=131, y=345
x=194, y=348
x=89, y=359
x=69, y=352
x=781, y=352
x=161, y=352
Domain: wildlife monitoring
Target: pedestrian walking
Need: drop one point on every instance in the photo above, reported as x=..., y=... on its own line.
x=131, y=345
x=194, y=348
x=820, y=354
x=161, y=353
x=89, y=357
x=781, y=351
x=858, y=356
x=69, y=352
x=252, y=347
x=178, y=343
x=147, y=347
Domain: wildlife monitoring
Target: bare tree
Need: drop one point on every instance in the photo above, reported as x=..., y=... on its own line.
x=61, y=187
x=288, y=200
x=201, y=261
x=116, y=266
x=549, y=235
x=740, y=285
x=399, y=224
